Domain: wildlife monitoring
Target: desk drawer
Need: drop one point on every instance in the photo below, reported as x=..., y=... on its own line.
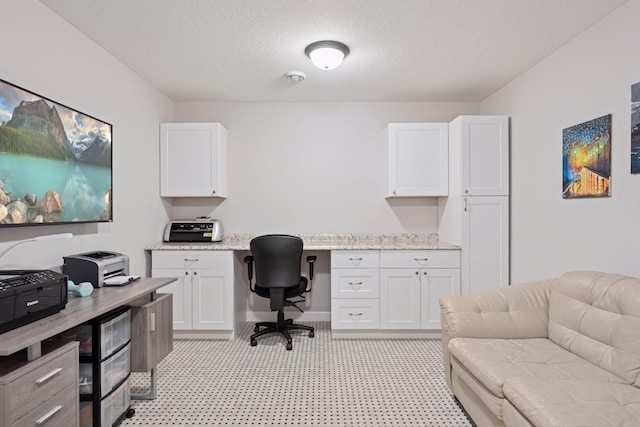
x=356, y=313
x=420, y=259
x=59, y=411
x=355, y=259
x=192, y=259
x=36, y=382
x=355, y=283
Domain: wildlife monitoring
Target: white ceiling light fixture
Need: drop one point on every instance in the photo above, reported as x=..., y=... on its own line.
x=327, y=54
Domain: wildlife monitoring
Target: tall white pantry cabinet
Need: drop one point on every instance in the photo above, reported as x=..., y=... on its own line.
x=475, y=215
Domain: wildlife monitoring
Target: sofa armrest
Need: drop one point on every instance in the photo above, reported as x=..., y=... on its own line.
x=518, y=311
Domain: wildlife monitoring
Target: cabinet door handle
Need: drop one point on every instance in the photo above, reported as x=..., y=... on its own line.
x=186, y=273
x=152, y=322
x=43, y=419
x=213, y=192
x=195, y=273
x=424, y=272
x=47, y=377
x=417, y=273
x=190, y=259
x=466, y=204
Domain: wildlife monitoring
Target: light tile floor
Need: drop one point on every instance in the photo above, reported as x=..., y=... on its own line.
x=321, y=382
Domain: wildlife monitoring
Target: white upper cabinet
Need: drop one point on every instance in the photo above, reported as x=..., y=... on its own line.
x=484, y=154
x=193, y=160
x=418, y=159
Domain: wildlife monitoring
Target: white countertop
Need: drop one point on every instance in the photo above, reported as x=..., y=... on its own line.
x=415, y=241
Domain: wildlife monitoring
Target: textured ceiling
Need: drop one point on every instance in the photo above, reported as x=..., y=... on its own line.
x=401, y=50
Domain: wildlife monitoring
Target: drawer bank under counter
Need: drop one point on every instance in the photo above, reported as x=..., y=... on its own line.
x=381, y=285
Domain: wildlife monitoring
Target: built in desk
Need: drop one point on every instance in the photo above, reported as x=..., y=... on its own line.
x=381, y=285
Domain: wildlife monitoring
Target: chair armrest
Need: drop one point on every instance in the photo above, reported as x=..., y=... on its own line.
x=517, y=311
x=249, y=261
x=311, y=259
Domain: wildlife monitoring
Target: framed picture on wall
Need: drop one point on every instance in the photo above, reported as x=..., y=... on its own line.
x=55, y=162
x=586, y=159
x=635, y=128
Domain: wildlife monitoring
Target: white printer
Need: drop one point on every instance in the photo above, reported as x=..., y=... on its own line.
x=94, y=267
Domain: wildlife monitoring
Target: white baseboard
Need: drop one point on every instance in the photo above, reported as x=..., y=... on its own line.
x=203, y=335
x=378, y=333
x=271, y=316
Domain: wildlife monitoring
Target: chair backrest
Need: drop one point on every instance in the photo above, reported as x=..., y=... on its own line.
x=277, y=260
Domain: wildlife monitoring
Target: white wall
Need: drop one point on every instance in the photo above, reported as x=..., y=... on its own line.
x=589, y=77
x=46, y=55
x=313, y=167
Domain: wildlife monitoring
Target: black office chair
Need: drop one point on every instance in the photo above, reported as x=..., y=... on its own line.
x=277, y=262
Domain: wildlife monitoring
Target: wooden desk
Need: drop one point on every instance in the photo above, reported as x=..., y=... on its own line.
x=77, y=311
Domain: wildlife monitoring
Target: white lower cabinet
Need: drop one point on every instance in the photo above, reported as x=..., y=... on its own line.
x=355, y=289
x=391, y=289
x=436, y=283
x=203, y=292
x=400, y=298
x=411, y=284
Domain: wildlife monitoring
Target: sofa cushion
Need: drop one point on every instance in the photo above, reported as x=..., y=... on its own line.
x=573, y=403
x=493, y=361
x=464, y=384
x=597, y=316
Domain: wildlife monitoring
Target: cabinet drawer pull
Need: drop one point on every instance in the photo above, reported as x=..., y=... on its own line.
x=355, y=314
x=421, y=259
x=43, y=419
x=355, y=259
x=152, y=322
x=355, y=283
x=190, y=259
x=47, y=377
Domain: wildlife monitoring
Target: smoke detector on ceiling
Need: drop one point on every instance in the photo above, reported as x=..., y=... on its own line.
x=296, y=76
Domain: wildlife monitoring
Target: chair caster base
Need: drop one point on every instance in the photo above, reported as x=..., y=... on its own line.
x=254, y=343
x=311, y=334
x=289, y=346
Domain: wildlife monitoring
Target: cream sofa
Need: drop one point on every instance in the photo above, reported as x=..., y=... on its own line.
x=559, y=352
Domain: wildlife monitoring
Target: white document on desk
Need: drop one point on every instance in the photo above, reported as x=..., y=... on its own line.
x=120, y=280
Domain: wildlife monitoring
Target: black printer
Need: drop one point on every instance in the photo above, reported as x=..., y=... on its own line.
x=30, y=295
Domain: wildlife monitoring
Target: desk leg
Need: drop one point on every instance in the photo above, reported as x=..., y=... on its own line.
x=152, y=389
x=34, y=351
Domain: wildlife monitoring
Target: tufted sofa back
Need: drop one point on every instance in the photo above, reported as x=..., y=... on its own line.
x=597, y=317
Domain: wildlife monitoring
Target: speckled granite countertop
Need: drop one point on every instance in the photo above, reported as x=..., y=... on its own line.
x=239, y=242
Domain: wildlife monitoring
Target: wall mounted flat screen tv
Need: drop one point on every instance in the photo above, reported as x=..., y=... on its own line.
x=55, y=162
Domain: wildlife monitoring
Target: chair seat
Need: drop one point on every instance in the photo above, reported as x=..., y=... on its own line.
x=288, y=292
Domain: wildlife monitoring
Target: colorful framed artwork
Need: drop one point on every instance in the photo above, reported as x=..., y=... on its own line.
x=586, y=159
x=635, y=128
x=55, y=162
